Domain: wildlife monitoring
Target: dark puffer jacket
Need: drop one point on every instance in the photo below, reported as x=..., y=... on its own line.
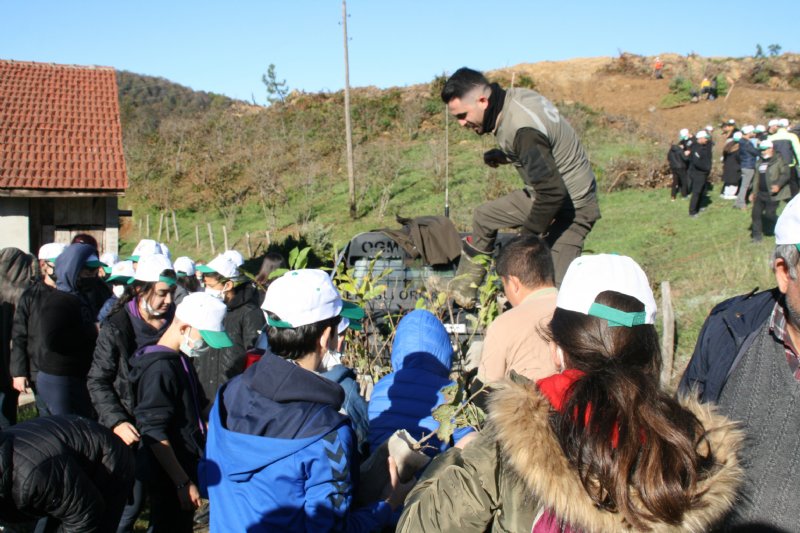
x=243, y=322
x=66, y=467
x=108, y=380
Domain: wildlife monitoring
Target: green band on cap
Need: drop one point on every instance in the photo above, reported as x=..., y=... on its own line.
x=169, y=281
x=279, y=323
x=797, y=246
x=616, y=317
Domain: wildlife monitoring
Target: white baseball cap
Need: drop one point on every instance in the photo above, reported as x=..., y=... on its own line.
x=184, y=266
x=773, y=122
x=709, y=128
x=589, y=275
x=306, y=296
x=702, y=134
x=50, y=251
x=783, y=123
x=235, y=257
x=737, y=136
x=109, y=258
x=787, y=229
x=760, y=128
x=205, y=313
x=766, y=144
x=148, y=247
x=150, y=268
x=684, y=133
x=121, y=271
x=748, y=129
x=221, y=265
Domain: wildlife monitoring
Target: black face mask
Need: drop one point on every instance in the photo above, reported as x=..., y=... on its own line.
x=88, y=285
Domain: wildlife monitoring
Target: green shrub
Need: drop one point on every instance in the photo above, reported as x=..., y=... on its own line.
x=773, y=109
x=680, y=92
x=722, y=85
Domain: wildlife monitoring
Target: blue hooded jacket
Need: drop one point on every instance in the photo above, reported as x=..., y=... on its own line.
x=279, y=455
x=404, y=399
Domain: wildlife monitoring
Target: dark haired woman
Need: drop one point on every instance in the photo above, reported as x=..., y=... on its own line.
x=142, y=314
x=597, y=447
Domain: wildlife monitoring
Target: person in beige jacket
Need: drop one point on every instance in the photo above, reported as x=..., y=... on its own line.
x=514, y=341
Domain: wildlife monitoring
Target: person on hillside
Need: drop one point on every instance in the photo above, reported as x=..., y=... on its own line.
x=280, y=455
x=68, y=470
x=139, y=319
x=598, y=446
x=169, y=409
x=769, y=188
x=748, y=153
x=18, y=271
x=731, y=166
x=243, y=322
x=746, y=362
x=788, y=146
x=404, y=399
x=677, y=164
x=513, y=341
x=705, y=88
x=658, y=69
x=559, y=201
x=65, y=332
x=699, y=168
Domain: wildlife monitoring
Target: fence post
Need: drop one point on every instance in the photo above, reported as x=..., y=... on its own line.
x=167, y=228
x=160, y=225
x=175, y=225
x=249, y=247
x=140, y=228
x=225, y=237
x=211, y=239
x=197, y=236
x=668, y=337
x=148, y=226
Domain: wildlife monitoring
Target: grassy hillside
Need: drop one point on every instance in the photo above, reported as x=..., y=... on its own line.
x=279, y=172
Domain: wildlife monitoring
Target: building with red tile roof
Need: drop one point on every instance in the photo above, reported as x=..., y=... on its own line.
x=62, y=166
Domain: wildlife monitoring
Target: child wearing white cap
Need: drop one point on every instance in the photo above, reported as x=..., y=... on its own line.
x=48, y=254
x=277, y=439
x=170, y=407
x=187, y=281
x=244, y=322
x=601, y=430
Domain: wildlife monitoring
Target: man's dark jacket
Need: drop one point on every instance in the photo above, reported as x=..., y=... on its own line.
x=66, y=467
x=675, y=158
x=727, y=333
x=243, y=322
x=700, y=159
x=28, y=343
x=109, y=381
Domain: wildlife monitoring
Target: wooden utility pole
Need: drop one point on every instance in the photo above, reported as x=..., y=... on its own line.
x=351, y=180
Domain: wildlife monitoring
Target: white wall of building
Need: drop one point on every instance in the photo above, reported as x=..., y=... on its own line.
x=14, y=225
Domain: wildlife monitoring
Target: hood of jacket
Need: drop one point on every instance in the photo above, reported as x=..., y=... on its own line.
x=519, y=416
x=272, y=411
x=146, y=356
x=69, y=265
x=422, y=342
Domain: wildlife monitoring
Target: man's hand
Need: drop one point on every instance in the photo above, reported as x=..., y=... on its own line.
x=127, y=432
x=189, y=497
x=495, y=157
x=775, y=189
x=20, y=384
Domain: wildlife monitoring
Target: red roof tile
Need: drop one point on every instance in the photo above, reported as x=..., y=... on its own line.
x=60, y=128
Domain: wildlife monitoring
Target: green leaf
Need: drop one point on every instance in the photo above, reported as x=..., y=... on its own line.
x=293, y=257
x=277, y=273
x=302, y=258
x=420, y=303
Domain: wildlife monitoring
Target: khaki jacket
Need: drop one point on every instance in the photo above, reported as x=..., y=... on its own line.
x=515, y=468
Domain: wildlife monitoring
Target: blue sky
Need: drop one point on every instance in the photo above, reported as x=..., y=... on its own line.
x=225, y=47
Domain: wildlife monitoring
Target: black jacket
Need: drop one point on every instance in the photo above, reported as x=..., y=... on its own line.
x=675, y=158
x=243, y=322
x=109, y=381
x=27, y=349
x=700, y=158
x=63, y=466
x=169, y=403
x=728, y=331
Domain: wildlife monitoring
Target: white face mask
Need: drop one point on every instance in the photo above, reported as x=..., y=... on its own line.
x=151, y=311
x=192, y=348
x=215, y=293
x=330, y=360
x=118, y=290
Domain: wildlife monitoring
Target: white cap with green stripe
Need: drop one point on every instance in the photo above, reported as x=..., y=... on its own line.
x=205, y=313
x=589, y=275
x=306, y=296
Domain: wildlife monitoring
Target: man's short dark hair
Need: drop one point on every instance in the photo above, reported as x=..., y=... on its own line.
x=528, y=258
x=295, y=343
x=461, y=82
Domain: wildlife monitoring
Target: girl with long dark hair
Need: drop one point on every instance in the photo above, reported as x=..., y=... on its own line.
x=598, y=446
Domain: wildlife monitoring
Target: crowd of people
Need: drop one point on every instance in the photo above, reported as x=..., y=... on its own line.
x=759, y=167
x=179, y=383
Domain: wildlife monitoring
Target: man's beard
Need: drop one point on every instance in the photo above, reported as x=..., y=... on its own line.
x=794, y=314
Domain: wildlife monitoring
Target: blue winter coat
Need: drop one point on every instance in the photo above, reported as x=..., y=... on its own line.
x=278, y=455
x=404, y=399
